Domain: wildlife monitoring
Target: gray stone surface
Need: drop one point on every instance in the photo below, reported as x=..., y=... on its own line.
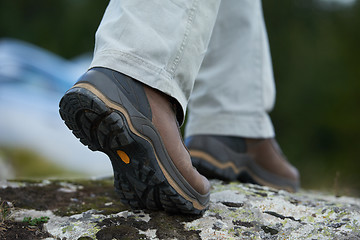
x=237, y=211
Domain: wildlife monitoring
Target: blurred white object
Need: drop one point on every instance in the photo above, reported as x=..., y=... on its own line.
x=6, y=170
x=32, y=82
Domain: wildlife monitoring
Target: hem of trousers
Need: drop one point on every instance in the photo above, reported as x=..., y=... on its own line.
x=259, y=126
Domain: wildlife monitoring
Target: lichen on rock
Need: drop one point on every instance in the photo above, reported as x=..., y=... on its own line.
x=91, y=210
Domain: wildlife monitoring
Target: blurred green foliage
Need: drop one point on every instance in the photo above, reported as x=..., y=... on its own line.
x=65, y=27
x=315, y=56
x=28, y=164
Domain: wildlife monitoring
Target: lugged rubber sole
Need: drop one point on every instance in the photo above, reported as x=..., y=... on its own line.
x=247, y=172
x=138, y=178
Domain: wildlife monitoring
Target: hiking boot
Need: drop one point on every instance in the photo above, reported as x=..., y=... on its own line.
x=136, y=127
x=258, y=161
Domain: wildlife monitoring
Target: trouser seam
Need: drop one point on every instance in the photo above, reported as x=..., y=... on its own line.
x=184, y=41
x=258, y=63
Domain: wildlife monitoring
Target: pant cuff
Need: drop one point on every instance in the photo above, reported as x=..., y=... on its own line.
x=240, y=126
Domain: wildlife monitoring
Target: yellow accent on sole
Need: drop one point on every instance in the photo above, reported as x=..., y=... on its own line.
x=124, y=157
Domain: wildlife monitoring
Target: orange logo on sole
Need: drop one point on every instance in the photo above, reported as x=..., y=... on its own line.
x=124, y=157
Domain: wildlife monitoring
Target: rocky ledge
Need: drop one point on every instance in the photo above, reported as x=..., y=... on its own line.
x=91, y=210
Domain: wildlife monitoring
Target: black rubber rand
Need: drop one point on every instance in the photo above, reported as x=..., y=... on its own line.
x=140, y=182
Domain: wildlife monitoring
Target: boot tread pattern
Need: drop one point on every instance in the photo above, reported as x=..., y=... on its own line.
x=140, y=183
